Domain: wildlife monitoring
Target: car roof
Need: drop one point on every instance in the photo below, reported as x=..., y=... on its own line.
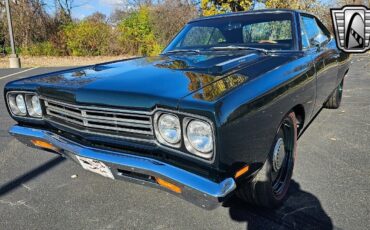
x=262, y=11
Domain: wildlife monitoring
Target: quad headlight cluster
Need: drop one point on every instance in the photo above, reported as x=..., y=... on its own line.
x=194, y=134
x=24, y=104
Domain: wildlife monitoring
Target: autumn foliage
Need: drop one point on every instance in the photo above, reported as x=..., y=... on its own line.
x=141, y=27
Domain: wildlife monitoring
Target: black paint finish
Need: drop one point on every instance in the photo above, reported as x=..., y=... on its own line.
x=245, y=93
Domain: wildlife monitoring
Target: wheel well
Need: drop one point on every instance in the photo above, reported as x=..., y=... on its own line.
x=300, y=115
x=346, y=72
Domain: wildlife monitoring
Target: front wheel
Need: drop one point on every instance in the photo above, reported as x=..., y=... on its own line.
x=269, y=187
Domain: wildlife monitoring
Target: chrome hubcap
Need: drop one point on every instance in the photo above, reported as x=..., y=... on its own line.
x=279, y=155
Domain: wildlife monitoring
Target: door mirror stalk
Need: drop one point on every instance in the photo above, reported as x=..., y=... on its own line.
x=319, y=40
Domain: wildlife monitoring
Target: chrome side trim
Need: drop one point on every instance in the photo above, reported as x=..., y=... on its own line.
x=196, y=189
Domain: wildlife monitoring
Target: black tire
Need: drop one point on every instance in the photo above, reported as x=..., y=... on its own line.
x=270, y=185
x=336, y=98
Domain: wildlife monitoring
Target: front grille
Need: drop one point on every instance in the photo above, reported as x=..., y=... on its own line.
x=103, y=121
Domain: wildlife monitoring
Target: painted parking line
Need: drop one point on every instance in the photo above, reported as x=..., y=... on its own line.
x=13, y=74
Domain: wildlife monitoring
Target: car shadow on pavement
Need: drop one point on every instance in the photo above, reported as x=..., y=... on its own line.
x=13, y=184
x=301, y=210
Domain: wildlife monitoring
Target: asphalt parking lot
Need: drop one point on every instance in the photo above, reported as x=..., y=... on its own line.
x=330, y=190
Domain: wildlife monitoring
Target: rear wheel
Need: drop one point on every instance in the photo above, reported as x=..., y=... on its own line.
x=269, y=187
x=336, y=98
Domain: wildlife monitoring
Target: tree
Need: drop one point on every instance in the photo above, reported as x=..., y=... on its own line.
x=30, y=22
x=88, y=37
x=118, y=15
x=136, y=34
x=298, y=5
x=97, y=17
x=212, y=7
x=354, y=2
x=168, y=17
x=318, y=8
x=64, y=10
x=140, y=3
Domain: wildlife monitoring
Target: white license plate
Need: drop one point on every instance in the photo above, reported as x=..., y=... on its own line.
x=95, y=166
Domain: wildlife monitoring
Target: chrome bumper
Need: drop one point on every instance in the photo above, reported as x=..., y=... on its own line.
x=195, y=189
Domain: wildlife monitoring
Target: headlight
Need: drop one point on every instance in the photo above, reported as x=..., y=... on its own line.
x=33, y=105
x=199, y=138
x=22, y=102
x=169, y=130
x=21, y=105
x=191, y=135
x=17, y=105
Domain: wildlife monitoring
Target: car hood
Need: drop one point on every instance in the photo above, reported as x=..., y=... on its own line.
x=141, y=82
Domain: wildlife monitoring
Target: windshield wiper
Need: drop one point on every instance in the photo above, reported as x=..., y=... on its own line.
x=239, y=48
x=182, y=51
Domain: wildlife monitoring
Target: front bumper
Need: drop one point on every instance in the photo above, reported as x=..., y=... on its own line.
x=195, y=189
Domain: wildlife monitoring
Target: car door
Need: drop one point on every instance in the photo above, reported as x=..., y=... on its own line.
x=323, y=49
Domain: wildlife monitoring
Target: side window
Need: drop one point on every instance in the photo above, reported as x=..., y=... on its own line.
x=199, y=36
x=324, y=30
x=305, y=42
x=311, y=28
x=267, y=31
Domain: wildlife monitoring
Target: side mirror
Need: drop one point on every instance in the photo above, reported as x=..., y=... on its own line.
x=319, y=40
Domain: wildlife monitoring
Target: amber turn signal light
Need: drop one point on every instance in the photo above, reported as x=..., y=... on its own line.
x=43, y=144
x=168, y=185
x=241, y=171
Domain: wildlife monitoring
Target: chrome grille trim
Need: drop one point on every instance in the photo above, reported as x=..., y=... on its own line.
x=114, y=122
x=152, y=141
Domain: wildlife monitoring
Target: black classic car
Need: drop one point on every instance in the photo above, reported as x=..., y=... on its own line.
x=217, y=113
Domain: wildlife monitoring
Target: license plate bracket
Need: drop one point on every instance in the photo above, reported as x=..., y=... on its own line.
x=95, y=166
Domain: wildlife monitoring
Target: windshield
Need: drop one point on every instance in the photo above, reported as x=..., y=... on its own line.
x=267, y=31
